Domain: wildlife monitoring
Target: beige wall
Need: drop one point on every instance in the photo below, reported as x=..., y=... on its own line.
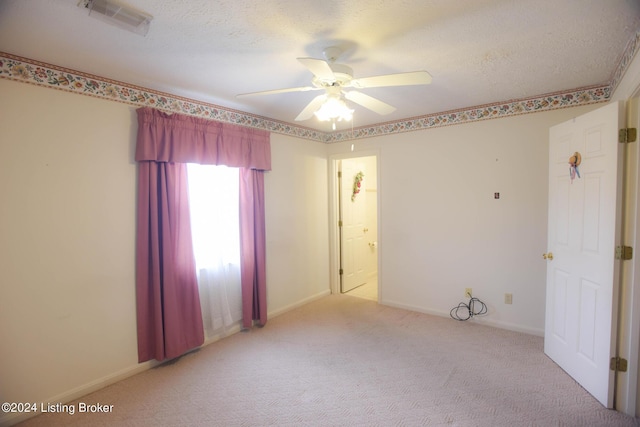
x=297, y=223
x=67, y=218
x=440, y=228
x=67, y=240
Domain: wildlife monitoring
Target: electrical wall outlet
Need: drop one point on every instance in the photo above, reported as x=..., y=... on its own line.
x=467, y=292
x=508, y=298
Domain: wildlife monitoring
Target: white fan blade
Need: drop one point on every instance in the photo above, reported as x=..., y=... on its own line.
x=311, y=108
x=273, y=92
x=401, y=79
x=319, y=68
x=369, y=102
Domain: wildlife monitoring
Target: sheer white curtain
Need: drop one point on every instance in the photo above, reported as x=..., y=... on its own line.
x=214, y=207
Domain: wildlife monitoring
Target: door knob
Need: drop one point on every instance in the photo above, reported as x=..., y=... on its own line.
x=548, y=256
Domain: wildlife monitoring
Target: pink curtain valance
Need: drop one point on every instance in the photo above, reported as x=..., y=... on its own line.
x=178, y=138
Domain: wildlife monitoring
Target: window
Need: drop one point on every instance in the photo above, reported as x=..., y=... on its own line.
x=214, y=207
x=215, y=228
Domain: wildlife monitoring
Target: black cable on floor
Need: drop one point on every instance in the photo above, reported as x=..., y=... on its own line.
x=464, y=311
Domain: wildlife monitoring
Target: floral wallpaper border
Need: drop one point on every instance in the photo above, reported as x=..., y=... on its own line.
x=582, y=96
x=485, y=112
x=42, y=74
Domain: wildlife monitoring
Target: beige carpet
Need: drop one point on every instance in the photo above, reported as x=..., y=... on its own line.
x=345, y=361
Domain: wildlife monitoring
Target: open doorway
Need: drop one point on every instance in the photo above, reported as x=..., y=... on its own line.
x=356, y=226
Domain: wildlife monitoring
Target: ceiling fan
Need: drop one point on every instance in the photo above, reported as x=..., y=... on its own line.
x=333, y=78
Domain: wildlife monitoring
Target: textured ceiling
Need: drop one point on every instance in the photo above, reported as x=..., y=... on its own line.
x=478, y=51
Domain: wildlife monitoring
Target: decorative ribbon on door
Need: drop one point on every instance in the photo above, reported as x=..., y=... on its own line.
x=574, y=162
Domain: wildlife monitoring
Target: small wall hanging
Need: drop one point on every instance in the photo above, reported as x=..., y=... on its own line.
x=574, y=162
x=357, y=182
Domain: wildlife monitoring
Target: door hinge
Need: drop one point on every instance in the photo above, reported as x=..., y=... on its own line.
x=618, y=364
x=627, y=135
x=339, y=174
x=341, y=271
x=624, y=253
x=340, y=223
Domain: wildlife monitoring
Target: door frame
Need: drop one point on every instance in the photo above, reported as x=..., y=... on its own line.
x=628, y=389
x=334, y=230
x=627, y=385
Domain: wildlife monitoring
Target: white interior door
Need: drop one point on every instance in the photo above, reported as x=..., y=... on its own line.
x=583, y=230
x=354, y=229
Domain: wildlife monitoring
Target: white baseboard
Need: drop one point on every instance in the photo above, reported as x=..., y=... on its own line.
x=10, y=419
x=83, y=390
x=478, y=319
x=295, y=305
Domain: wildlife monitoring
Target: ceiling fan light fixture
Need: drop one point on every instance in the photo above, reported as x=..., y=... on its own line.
x=334, y=109
x=333, y=78
x=118, y=14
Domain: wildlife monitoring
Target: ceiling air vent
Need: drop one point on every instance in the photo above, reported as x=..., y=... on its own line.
x=118, y=14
